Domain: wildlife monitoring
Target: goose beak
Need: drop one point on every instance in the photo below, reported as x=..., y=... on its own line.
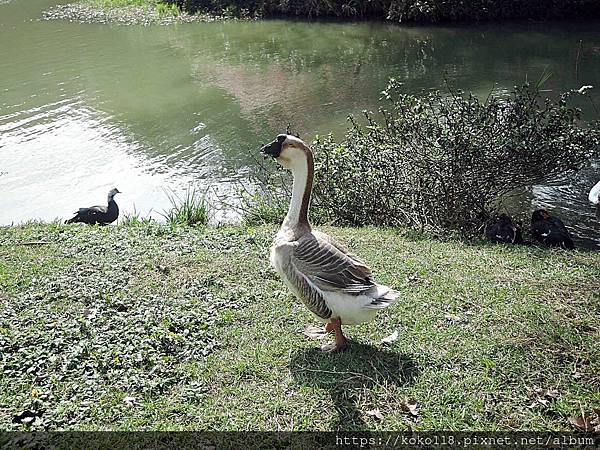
x=273, y=149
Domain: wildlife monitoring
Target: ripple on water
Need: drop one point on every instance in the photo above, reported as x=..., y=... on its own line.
x=65, y=155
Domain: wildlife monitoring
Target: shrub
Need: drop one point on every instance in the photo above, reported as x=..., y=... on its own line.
x=403, y=10
x=441, y=161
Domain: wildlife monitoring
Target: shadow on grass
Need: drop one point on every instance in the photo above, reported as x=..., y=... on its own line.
x=346, y=376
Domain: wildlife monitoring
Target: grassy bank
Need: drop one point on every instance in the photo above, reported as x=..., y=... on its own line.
x=125, y=12
x=150, y=327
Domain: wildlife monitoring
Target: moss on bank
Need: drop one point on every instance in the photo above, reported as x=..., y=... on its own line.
x=188, y=328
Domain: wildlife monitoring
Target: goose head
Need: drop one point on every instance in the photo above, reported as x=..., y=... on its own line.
x=288, y=150
x=112, y=193
x=540, y=214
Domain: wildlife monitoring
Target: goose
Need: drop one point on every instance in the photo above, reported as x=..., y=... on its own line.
x=550, y=231
x=595, y=198
x=98, y=214
x=336, y=287
x=504, y=230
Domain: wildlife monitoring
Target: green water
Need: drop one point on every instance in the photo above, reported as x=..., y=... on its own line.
x=85, y=107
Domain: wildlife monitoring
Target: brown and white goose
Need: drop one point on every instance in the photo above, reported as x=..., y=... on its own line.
x=335, y=286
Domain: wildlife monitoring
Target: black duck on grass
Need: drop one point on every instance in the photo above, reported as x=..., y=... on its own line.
x=550, y=231
x=101, y=215
x=504, y=231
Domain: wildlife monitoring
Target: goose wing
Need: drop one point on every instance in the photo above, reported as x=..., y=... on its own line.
x=329, y=267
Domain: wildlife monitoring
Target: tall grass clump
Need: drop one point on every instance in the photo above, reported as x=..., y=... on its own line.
x=442, y=160
x=167, y=9
x=191, y=209
x=135, y=219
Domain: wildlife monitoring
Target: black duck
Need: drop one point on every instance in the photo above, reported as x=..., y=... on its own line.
x=504, y=231
x=550, y=231
x=101, y=215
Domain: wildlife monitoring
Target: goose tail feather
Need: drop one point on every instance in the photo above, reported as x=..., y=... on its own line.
x=384, y=297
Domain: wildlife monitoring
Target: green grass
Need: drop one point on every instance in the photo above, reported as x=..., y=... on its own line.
x=194, y=325
x=161, y=8
x=122, y=3
x=191, y=209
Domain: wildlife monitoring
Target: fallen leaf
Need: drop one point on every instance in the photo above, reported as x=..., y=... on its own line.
x=412, y=278
x=163, y=269
x=130, y=401
x=391, y=338
x=375, y=413
x=545, y=396
x=411, y=407
x=452, y=317
x=582, y=423
x=89, y=314
x=552, y=393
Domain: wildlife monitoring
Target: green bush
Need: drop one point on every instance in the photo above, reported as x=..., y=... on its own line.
x=441, y=161
x=403, y=10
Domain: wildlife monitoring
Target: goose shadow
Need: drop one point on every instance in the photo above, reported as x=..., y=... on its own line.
x=345, y=376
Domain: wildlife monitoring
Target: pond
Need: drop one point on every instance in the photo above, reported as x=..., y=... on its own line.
x=85, y=107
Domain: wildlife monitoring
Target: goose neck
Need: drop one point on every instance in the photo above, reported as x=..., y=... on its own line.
x=303, y=173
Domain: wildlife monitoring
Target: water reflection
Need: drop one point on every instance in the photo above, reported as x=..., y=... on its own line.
x=86, y=107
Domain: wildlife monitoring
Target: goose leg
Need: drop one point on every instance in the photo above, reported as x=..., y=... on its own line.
x=341, y=343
